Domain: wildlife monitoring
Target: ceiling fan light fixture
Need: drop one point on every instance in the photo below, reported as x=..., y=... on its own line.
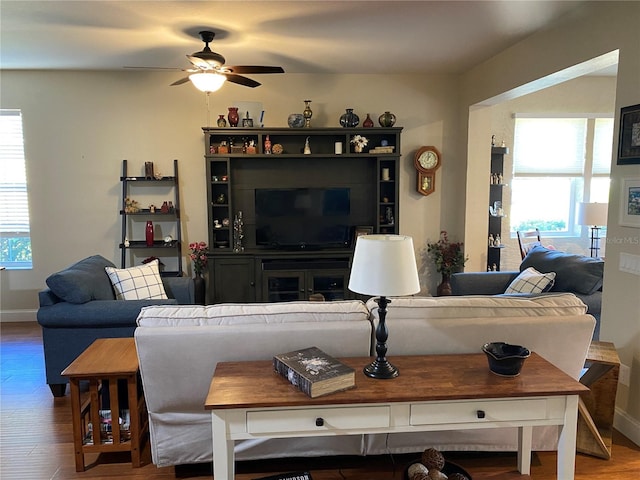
x=207, y=82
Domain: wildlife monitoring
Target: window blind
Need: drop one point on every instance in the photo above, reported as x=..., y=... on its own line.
x=14, y=205
x=544, y=145
x=602, y=137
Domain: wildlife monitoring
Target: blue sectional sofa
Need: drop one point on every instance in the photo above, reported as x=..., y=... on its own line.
x=575, y=274
x=80, y=306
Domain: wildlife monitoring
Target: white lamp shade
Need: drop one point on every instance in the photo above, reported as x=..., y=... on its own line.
x=593, y=214
x=384, y=265
x=207, y=82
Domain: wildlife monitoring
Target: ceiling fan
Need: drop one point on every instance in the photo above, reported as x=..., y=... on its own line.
x=209, y=71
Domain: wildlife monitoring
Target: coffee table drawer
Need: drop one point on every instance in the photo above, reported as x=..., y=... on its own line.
x=478, y=411
x=314, y=420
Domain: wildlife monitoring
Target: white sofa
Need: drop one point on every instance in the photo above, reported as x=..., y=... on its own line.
x=179, y=347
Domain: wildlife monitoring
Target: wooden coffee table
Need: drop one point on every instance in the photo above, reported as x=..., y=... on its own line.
x=440, y=392
x=109, y=359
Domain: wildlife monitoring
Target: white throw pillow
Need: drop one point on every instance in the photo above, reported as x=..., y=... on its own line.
x=137, y=283
x=531, y=281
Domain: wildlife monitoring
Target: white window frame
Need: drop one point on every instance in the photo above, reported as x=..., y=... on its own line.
x=14, y=205
x=586, y=176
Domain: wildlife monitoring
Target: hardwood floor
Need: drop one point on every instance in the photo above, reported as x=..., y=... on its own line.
x=36, y=439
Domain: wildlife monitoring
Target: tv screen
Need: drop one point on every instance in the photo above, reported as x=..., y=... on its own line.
x=301, y=218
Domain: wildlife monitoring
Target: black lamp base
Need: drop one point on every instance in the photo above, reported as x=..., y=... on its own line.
x=381, y=370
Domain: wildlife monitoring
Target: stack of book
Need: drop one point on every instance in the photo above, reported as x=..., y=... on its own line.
x=314, y=372
x=387, y=149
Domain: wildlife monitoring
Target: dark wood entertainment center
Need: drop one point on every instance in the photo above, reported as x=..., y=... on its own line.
x=260, y=273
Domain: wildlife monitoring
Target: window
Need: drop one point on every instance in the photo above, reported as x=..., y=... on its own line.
x=15, y=240
x=558, y=163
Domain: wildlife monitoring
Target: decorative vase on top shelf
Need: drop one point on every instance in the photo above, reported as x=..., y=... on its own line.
x=307, y=114
x=221, y=121
x=387, y=119
x=296, y=120
x=368, y=123
x=349, y=119
x=233, y=116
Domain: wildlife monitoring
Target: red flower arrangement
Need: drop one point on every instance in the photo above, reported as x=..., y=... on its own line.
x=198, y=256
x=448, y=256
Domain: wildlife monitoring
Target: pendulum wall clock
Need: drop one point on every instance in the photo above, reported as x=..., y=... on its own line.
x=427, y=161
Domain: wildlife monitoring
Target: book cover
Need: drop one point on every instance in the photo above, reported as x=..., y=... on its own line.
x=314, y=372
x=288, y=476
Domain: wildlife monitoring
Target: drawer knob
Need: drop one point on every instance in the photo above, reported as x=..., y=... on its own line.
x=319, y=422
x=480, y=413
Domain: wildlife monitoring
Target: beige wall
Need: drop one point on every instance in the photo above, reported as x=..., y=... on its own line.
x=599, y=29
x=79, y=126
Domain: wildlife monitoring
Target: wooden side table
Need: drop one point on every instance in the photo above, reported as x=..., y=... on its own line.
x=596, y=407
x=110, y=359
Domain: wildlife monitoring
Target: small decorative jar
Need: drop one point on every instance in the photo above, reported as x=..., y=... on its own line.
x=387, y=119
x=233, y=116
x=368, y=123
x=221, y=121
x=349, y=119
x=296, y=120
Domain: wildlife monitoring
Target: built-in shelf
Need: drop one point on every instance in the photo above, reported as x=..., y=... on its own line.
x=240, y=274
x=496, y=191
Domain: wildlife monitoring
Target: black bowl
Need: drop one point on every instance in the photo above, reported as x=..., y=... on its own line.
x=448, y=469
x=505, y=359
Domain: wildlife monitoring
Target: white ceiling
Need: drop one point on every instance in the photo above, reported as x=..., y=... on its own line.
x=309, y=36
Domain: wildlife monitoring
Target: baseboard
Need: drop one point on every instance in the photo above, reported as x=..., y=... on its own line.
x=7, y=316
x=627, y=425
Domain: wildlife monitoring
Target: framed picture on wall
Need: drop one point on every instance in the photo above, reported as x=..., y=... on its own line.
x=630, y=202
x=629, y=142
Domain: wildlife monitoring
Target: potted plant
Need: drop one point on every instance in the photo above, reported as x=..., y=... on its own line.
x=199, y=260
x=359, y=142
x=449, y=258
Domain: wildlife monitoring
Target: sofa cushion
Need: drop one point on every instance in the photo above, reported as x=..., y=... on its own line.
x=83, y=281
x=480, y=306
x=574, y=273
x=137, y=283
x=95, y=314
x=252, y=313
x=531, y=281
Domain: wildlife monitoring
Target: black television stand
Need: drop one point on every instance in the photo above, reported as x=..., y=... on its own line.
x=277, y=276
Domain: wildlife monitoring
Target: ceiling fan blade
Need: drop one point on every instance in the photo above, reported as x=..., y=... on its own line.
x=240, y=80
x=254, y=69
x=155, y=68
x=180, y=82
x=200, y=63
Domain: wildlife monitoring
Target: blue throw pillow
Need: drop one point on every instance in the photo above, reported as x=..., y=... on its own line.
x=574, y=273
x=83, y=281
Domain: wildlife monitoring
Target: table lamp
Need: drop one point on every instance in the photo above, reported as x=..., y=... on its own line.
x=383, y=265
x=594, y=214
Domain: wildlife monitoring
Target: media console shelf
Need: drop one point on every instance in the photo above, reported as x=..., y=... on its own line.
x=240, y=161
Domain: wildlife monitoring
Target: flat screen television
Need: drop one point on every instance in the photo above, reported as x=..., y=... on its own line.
x=303, y=218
